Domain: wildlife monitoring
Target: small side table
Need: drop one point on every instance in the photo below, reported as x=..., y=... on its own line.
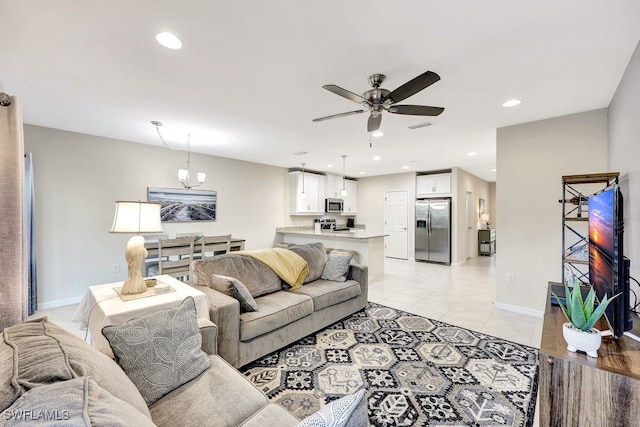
x=102, y=306
x=487, y=242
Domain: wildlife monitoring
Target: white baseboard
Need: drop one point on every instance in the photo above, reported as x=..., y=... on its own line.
x=520, y=310
x=59, y=303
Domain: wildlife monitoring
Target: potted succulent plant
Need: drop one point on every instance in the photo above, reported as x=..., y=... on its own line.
x=579, y=332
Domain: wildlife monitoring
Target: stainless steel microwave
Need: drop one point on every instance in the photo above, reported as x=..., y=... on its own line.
x=333, y=205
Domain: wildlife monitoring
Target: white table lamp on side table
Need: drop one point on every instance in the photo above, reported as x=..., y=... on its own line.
x=137, y=218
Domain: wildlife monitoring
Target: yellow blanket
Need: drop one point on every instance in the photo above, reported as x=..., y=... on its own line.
x=289, y=266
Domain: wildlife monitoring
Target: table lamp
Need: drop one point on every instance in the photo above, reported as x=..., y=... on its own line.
x=136, y=218
x=485, y=217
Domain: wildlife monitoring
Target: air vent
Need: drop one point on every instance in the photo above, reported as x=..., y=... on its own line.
x=300, y=153
x=420, y=125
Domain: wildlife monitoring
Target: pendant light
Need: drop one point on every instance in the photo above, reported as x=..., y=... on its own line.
x=343, y=193
x=303, y=195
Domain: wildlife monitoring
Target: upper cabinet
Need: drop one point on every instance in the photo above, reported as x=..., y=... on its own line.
x=334, y=190
x=350, y=206
x=312, y=203
x=431, y=185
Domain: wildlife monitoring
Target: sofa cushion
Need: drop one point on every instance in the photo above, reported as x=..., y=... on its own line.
x=271, y=415
x=316, y=257
x=274, y=311
x=221, y=396
x=337, y=266
x=256, y=276
x=77, y=402
x=161, y=351
x=81, y=358
x=326, y=293
x=236, y=289
x=348, y=411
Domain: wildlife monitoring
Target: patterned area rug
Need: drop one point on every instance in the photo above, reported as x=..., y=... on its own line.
x=417, y=372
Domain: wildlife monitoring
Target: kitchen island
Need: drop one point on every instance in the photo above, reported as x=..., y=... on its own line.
x=368, y=246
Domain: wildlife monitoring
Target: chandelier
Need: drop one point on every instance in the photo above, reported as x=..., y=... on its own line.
x=183, y=174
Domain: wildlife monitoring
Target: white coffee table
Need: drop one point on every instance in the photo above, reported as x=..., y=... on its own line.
x=102, y=306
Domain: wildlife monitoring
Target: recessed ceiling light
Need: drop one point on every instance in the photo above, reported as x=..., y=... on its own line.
x=362, y=172
x=376, y=158
x=405, y=167
x=494, y=169
x=377, y=134
x=512, y=103
x=169, y=40
x=471, y=153
x=329, y=165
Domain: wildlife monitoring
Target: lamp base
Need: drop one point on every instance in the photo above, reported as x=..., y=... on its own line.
x=135, y=253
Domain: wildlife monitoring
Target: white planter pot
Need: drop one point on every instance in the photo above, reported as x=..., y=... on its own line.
x=587, y=341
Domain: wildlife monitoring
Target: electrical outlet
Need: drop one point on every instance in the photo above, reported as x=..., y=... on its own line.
x=511, y=278
x=116, y=268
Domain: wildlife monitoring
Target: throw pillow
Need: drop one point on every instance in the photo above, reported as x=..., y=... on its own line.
x=316, y=256
x=337, y=266
x=235, y=289
x=348, y=411
x=161, y=351
x=77, y=402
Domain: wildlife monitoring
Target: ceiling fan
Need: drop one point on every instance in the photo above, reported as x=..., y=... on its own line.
x=378, y=99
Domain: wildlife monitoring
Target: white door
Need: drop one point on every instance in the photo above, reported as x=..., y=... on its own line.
x=470, y=223
x=396, y=218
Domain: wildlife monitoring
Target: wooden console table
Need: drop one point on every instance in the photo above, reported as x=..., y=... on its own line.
x=576, y=390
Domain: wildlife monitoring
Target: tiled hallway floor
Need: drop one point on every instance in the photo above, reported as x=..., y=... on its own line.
x=462, y=295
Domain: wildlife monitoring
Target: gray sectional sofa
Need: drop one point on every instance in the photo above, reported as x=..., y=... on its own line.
x=282, y=315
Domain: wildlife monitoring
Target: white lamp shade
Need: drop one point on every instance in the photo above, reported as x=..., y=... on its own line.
x=137, y=217
x=183, y=174
x=484, y=217
x=201, y=177
x=343, y=193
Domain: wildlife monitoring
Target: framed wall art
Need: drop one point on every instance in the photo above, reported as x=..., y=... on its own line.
x=181, y=205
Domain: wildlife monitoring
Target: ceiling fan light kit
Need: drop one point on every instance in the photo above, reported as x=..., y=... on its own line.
x=378, y=99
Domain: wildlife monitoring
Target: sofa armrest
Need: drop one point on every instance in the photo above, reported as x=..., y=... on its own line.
x=209, y=333
x=360, y=273
x=224, y=311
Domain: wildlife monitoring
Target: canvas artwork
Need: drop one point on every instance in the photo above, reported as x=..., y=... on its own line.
x=179, y=205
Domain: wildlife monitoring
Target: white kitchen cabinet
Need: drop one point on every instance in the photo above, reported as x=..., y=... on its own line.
x=314, y=190
x=350, y=206
x=429, y=185
x=334, y=190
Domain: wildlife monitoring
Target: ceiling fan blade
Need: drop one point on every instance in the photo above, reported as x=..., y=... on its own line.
x=373, y=124
x=413, y=86
x=346, y=94
x=416, y=110
x=335, y=116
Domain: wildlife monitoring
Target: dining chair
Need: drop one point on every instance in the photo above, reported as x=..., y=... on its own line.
x=174, y=257
x=213, y=245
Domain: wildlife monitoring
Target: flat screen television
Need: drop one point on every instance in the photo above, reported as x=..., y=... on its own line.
x=608, y=268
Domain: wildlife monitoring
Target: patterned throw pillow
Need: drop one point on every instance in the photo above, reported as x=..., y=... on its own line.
x=348, y=411
x=161, y=351
x=337, y=266
x=235, y=289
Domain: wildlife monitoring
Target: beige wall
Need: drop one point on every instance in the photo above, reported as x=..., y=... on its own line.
x=624, y=155
x=531, y=160
x=78, y=177
x=492, y=206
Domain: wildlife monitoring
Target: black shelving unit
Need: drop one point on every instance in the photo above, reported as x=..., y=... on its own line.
x=575, y=230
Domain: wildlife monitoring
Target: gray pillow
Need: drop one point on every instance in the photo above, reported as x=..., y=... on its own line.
x=77, y=402
x=236, y=289
x=316, y=256
x=348, y=411
x=161, y=351
x=337, y=266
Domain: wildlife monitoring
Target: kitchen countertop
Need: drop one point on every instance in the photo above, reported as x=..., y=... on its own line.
x=355, y=233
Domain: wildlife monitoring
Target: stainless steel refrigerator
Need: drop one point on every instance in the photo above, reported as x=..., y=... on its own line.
x=433, y=230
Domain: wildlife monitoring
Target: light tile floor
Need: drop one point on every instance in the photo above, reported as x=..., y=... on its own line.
x=462, y=295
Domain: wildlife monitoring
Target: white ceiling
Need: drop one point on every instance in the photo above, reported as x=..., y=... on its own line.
x=249, y=78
